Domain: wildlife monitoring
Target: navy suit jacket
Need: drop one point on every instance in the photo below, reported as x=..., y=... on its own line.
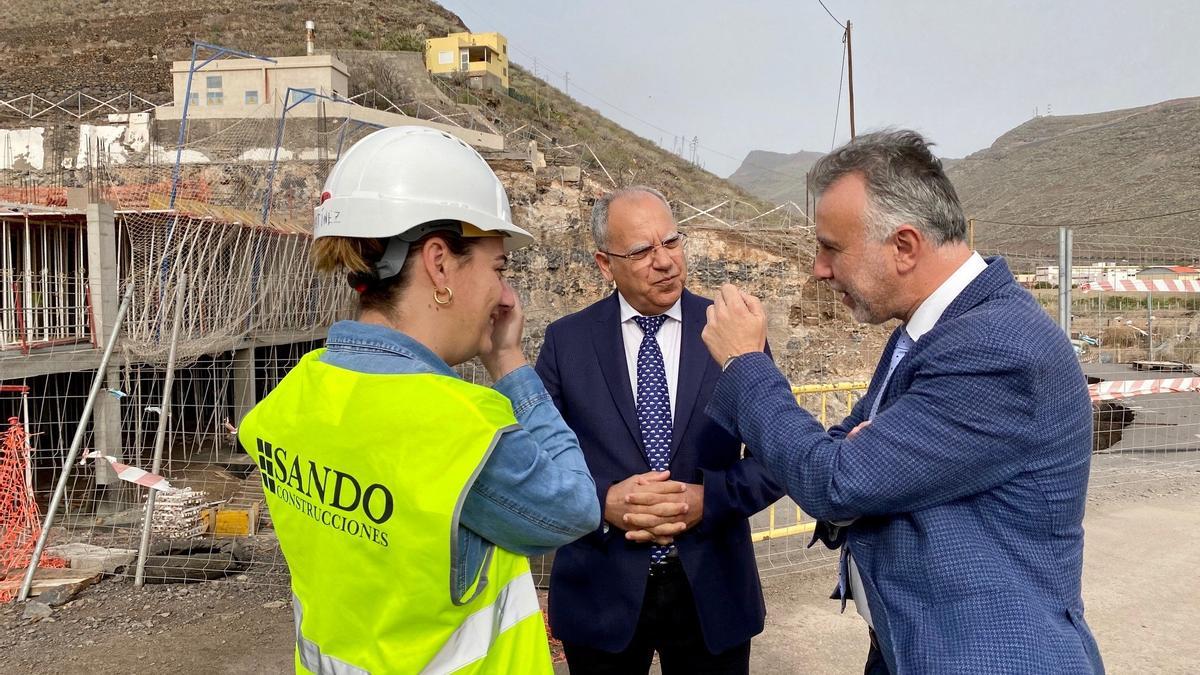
x=597, y=583
x=968, y=486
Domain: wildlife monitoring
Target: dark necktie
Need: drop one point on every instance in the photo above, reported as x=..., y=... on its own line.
x=653, y=405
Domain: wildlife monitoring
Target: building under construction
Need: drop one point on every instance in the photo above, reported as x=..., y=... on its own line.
x=207, y=214
x=201, y=218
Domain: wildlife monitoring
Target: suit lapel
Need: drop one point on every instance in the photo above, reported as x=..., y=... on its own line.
x=694, y=361
x=881, y=379
x=610, y=351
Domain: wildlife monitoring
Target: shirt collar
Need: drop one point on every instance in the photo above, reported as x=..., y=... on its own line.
x=370, y=337
x=628, y=312
x=926, y=317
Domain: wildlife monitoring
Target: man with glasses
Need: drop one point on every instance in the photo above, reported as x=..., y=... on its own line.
x=671, y=569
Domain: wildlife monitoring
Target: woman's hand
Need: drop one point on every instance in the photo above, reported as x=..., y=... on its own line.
x=504, y=354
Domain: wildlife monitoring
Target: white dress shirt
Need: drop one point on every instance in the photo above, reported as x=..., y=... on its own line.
x=922, y=321
x=929, y=311
x=669, y=337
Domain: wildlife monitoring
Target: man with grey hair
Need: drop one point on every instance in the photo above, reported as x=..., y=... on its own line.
x=959, y=480
x=671, y=570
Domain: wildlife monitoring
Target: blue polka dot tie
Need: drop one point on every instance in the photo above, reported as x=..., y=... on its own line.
x=654, y=406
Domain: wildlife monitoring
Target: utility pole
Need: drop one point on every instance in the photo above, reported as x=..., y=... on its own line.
x=567, y=82
x=1150, y=325
x=807, y=193
x=1065, y=278
x=850, y=76
x=536, y=105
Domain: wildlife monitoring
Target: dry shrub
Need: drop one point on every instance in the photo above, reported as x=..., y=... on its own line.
x=1187, y=351
x=1121, y=336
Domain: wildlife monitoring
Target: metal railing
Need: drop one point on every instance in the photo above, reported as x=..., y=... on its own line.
x=78, y=105
x=376, y=100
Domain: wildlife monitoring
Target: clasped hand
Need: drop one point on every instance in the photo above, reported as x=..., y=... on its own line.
x=652, y=508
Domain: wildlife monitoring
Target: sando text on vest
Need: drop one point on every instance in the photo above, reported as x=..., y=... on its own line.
x=296, y=481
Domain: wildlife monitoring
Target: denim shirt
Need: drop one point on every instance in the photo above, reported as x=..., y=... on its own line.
x=534, y=493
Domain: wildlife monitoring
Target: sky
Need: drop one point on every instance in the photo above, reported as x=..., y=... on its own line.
x=742, y=75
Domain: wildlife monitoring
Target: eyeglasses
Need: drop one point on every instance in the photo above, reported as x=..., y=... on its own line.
x=670, y=243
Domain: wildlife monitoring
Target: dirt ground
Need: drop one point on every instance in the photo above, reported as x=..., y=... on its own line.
x=1139, y=586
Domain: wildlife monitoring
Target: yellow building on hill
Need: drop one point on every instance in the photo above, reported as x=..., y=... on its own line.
x=480, y=57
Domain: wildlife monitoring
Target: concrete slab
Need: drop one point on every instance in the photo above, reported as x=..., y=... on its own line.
x=91, y=558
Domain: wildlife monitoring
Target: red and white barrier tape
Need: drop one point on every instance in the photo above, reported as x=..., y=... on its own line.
x=1142, y=286
x=133, y=474
x=1106, y=391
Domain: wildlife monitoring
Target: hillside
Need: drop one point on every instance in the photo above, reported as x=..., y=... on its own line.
x=1077, y=169
x=110, y=47
x=774, y=176
x=779, y=177
x=1072, y=169
x=55, y=47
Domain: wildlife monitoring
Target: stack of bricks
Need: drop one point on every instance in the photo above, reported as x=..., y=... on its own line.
x=177, y=514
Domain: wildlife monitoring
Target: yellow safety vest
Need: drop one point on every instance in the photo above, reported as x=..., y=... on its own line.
x=365, y=476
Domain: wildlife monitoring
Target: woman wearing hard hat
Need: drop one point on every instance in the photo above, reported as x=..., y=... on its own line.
x=406, y=499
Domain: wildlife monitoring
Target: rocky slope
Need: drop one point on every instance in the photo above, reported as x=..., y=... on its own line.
x=1078, y=169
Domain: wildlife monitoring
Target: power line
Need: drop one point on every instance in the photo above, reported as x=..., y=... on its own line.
x=837, y=111
x=840, y=24
x=637, y=118
x=1090, y=223
x=542, y=66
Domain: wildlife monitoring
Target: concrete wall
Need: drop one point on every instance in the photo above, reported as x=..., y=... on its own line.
x=23, y=149
x=52, y=146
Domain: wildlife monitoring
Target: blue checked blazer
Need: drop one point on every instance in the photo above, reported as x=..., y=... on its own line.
x=968, y=487
x=598, y=582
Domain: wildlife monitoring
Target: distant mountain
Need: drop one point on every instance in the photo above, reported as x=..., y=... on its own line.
x=1078, y=169
x=775, y=176
x=1130, y=166
x=778, y=177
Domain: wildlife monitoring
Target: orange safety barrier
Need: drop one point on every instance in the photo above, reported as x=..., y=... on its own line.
x=20, y=521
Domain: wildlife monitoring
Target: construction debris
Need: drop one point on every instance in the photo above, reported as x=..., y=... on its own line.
x=225, y=521
x=60, y=595
x=177, y=514
x=45, y=579
x=89, y=558
x=190, y=561
x=36, y=611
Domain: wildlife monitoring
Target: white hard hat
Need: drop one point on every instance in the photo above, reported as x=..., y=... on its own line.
x=397, y=179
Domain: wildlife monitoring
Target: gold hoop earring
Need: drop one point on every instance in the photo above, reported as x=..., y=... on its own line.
x=437, y=297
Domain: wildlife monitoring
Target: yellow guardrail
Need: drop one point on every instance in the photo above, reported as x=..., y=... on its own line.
x=852, y=390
